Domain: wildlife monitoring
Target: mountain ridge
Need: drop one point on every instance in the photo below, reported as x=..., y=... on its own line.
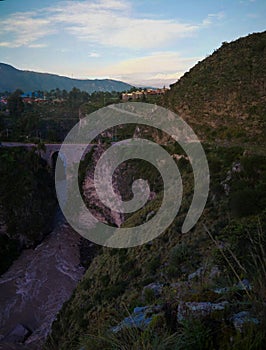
x=12, y=78
x=224, y=95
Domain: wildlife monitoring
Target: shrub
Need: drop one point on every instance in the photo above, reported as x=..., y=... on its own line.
x=179, y=254
x=128, y=266
x=244, y=202
x=149, y=295
x=173, y=271
x=122, y=255
x=105, y=280
x=194, y=335
x=153, y=265
x=114, y=290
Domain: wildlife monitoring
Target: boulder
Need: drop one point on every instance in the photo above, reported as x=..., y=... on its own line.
x=150, y=215
x=196, y=309
x=198, y=273
x=236, y=167
x=242, y=318
x=140, y=318
x=243, y=285
x=215, y=272
x=18, y=335
x=155, y=287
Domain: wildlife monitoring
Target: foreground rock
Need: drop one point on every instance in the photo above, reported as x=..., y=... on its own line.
x=18, y=335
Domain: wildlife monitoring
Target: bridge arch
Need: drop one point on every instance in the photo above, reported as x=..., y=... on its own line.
x=56, y=155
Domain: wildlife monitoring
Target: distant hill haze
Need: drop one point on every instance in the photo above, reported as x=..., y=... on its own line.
x=12, y=79
x=223, y=97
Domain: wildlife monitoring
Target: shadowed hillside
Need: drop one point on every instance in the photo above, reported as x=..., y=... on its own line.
x=12, y=79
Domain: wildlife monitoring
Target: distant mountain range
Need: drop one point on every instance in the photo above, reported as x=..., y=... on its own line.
x=12, y=79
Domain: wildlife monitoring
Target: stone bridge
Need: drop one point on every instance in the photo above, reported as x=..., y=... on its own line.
x=52, y=150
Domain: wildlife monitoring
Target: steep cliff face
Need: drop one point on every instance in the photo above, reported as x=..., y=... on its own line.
x=97, y=208
x=27, y=202
x=224, y=95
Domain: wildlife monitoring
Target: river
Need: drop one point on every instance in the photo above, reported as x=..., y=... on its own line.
x=37, y=284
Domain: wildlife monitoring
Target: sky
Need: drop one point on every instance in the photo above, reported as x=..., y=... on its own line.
x=144, y=43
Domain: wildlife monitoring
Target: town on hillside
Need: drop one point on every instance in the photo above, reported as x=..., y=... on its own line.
x=40, y=96
x=142, y=94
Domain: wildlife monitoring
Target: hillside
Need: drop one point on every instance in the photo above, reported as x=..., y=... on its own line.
x=204, y=289
x=224, y=96
x=180, y=291
x=12, y=79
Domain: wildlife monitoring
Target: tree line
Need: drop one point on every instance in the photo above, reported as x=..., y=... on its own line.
x=47, y=115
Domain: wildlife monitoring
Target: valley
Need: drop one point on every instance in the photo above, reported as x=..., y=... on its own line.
x=202, y=289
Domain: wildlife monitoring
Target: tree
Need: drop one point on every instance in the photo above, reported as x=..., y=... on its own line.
x=2, y=123
x=77, y=97
x=15, y=104
x=64, y=94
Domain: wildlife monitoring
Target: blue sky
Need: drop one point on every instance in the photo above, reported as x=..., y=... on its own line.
x=149, y=42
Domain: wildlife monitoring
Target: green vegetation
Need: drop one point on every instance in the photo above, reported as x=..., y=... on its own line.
x=15, y=104
x=27, y=202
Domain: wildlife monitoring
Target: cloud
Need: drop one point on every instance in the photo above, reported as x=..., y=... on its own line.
x=253, y=15
x=37, y=46
x=5, y=44
x=111, y=23
x=156, y=69
x=246, y=1
x=23, y=29
x=94, y=55
x=213, y=17
x=108, y=23
x=105, y=22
